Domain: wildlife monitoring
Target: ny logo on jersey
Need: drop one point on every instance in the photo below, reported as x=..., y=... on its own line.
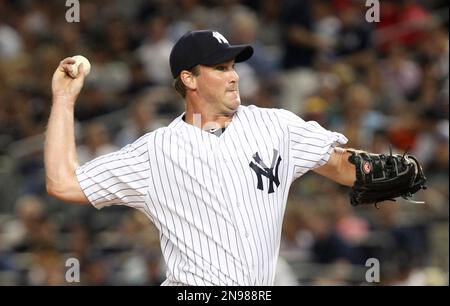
x=220, y=38
x=262, y=170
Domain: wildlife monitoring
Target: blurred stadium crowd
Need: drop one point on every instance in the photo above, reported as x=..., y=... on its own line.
x=378, y=83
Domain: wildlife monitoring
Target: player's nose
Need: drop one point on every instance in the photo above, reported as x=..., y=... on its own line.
x=234, y=76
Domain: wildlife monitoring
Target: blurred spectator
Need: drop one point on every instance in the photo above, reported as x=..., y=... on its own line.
x=352, y=228
x=94, y=102
x=154, y=52
x=96, y=272
x=189, y=15
x=354, y=38
x=142, y=121
x=222, y=13
x=19, y=232
x=96, y=143
x=269, y=26
x=108, y=74
x=326, y=27
x=404, y=22
x=359, y=120
x=335, y=274
x=400, y=74
x=139, y=80
x=300, y=45
x=297, y=239
x=47, y=268
x=244, y=28
x=10, y=42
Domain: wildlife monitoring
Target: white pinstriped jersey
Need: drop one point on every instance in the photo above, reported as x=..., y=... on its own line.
x=218, y=202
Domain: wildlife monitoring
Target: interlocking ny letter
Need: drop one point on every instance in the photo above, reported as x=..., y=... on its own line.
x=262, y=170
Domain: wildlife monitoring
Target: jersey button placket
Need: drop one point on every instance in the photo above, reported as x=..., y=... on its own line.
x=237, y=207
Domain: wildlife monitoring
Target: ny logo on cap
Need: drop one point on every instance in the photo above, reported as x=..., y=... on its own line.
x=262, y=170
x=220, y=38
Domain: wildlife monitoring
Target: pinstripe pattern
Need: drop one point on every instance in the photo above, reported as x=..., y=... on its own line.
x=216, y=226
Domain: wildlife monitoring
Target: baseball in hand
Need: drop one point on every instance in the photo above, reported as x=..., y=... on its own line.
x=75, y=67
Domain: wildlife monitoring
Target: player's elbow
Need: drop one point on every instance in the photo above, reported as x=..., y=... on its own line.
x=65, y=191
x=53, y=189
x=56, y=189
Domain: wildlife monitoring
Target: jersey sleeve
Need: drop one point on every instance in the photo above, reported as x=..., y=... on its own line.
x=310, y=145
x=118, y=178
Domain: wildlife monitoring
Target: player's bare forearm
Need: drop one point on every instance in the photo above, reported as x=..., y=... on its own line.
x=60, y=157
x=338, y=168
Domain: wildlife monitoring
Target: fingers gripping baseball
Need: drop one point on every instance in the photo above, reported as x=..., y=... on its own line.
x=68, y=79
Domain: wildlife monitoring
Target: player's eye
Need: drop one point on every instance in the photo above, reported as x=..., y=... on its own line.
x=220, y=68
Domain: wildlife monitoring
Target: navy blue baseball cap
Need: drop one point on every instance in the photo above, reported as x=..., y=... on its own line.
x=207, y=48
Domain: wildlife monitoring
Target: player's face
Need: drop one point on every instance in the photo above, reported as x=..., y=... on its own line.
x=218, y=86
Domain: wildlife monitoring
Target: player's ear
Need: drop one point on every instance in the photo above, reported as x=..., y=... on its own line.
x=188, y=79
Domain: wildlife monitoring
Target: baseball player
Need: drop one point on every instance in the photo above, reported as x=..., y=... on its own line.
x=215, y=181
